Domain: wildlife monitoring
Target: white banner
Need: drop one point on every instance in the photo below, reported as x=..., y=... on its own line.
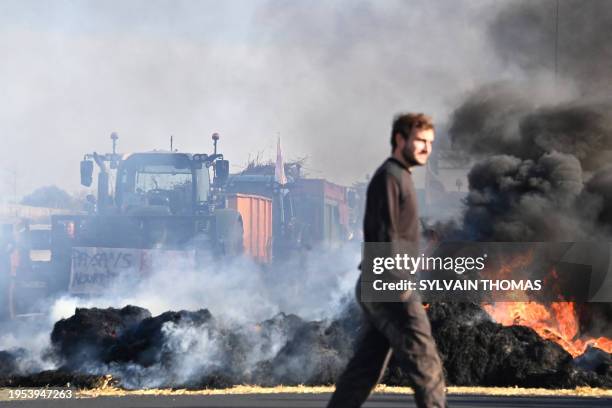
x=94, y=270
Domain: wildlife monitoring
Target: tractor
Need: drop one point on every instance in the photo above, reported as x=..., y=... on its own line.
x=165, y=207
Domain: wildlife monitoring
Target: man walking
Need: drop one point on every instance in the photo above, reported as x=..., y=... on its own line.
x=399, y=327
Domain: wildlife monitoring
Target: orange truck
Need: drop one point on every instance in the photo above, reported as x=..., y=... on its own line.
x=256, y=212
x=306, y=212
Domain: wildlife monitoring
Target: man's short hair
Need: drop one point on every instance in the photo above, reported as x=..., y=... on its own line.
x=404, y=123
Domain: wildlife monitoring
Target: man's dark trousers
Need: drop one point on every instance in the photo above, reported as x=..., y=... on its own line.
x=402, y=328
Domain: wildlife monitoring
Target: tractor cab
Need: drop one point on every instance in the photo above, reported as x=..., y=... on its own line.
x=163, y=183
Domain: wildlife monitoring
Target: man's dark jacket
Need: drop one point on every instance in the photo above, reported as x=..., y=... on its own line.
x=391, y=205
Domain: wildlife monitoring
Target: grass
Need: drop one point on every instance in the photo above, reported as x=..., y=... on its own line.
x=381, y=389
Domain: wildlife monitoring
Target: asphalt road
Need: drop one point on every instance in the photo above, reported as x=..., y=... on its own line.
x=306, y=401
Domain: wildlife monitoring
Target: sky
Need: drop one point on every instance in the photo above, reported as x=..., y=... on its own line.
x=325, y=76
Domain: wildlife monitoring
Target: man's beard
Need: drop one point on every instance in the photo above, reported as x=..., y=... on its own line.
x=409, y=158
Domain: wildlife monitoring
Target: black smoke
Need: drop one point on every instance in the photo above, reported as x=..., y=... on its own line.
x=529, y=34
x=512, y=199
x=539, y=172
x=505, y=118
x=542, y=162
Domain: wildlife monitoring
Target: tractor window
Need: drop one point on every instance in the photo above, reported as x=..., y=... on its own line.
x=151, y=183
x=165, y=185
x=203, y=184
x=163, y=177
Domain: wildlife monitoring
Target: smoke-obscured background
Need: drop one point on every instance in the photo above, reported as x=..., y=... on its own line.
x=543, y=147
x=326, y=76
x=521, y=86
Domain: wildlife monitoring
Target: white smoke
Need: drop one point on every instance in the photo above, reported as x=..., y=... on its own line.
x=238, y=292
x=312, y=286
x=30, y=341
x=327, y=77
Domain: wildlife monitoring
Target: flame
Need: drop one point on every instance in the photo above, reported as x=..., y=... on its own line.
x=557, y=322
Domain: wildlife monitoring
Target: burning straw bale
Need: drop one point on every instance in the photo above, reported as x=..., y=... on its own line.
x=8, y=362
x=128, y=335
x=281, y=350
x=597, y=361
x=143, y=343
x=141, y=349
x=90, y=333
x=477, y=351
x=193, y=350
x=315, y=355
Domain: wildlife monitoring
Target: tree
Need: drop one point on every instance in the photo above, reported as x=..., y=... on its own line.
x=50, y=196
